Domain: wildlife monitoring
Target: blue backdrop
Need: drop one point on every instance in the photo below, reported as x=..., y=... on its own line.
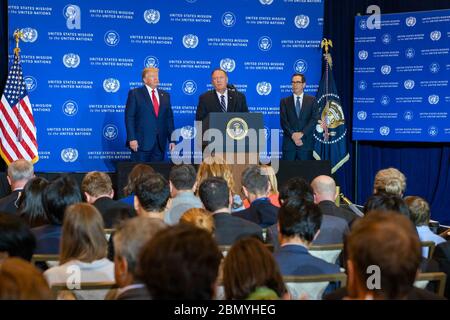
x=401, y=85
x=81, y=58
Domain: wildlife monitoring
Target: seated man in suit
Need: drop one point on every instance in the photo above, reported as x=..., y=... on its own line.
x=217, y=199
x=223, y=98
x=256, y=187
x=97, y=189
x=149, y=119
x=442, y=257
x=325, y=196
x=129, y=239
x=299, y=114
x=19, y=173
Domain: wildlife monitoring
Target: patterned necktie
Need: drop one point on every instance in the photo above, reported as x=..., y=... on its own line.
x=223, y=104
x=155, y=102
x=298, y=107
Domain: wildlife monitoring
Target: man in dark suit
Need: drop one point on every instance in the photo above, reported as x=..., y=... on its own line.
x=223, y=98
x=298, y=115
x=217, y=199
x=149, y=120
x=256, y=187
x=442, y=257
x=97, y=190
x=19, y=173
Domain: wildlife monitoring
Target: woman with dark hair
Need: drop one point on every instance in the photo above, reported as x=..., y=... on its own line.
x=31, y=209
x=248, y=267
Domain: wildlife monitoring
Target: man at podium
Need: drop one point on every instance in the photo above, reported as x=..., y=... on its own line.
x=223, y=98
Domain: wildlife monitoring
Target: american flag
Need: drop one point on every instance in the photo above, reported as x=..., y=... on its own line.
x=17, y=129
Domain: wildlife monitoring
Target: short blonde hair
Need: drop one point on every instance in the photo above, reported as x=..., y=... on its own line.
x=268, y=170
x=146, y=70
x=200, y=218
x=96, y=183
x=215, y=167
x=390, y=181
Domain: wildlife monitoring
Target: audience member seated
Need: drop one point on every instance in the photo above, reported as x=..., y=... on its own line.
x=332, y=229
x=31, y=208
x=139, y=171
x=273, y=192
x=152, y=194
x=200, y=218
x=442, y=257
x=16, y=239
x=325, y=196
x=217, y=167
x=129, y=239
x=383, y=201
x=180, y=262
x=20, y=280
x=420, y=215
x=57, y=196
x=390, y=181
x=182, y=187
x=19, y=173
x=98, y=191
x=299, y=224
x=256, y=186
x=217, y=198
x=83, y=251
x=248, y=267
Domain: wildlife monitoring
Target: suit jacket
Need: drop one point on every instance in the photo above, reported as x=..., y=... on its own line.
x=113, y=211
x=47, y=239
x=261, y=212
x=139, y=293
x=209, y=102
x=295, y=260
x=230, y=229
x=8, y=203
x=329, y=208
x=180, y=204
x=442, y=257
x=141, y=121
x=290, y=123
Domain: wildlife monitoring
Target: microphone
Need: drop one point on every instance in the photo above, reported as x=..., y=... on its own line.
x=351, y=205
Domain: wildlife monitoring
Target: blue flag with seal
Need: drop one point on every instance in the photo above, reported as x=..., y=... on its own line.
x=329, y=134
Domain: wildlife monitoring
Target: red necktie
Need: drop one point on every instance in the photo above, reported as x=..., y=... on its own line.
x=155, y=102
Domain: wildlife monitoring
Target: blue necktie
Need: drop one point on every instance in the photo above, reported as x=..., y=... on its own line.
x=298, y=107
x=223, y=104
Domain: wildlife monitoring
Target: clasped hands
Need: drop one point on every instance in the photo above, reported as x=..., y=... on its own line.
x=297, y=138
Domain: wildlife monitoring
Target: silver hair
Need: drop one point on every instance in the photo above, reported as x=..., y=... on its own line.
x=21, y=170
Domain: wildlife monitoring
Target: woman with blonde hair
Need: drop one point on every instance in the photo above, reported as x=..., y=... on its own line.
x=200, y=218
x=83, y=250
x=391, y=181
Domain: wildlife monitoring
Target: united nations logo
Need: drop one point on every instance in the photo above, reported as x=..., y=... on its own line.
x=362, y=115
x=70, y=108
x=408, y=115
x=237, y=128
x=433, y=99
x=188, y=132
x=151, y=62
x=301, y=21
x=410, y=53
x=409, y=84
x=264, y=88
x=189, y=87
x=110, y=132
x=112, y=38
x=363, y=55
x=72, y=13
x=386, y=38
x=300, y=66
x=227, y=64
x=363, y=25
x=29, y=35
x=151, y=16
x=71, y=60
x=384, y=100
x=111, y=85
x=228, y=19
x=266, y=2
x=30, y=83
x=69, y=154
x=362, y=85
x=410, y=21
x=384, y=131
x=385, y=69
x=434, y=67
x=433, y=131
x=265, y=43
x=435, y=35
x=190, y=41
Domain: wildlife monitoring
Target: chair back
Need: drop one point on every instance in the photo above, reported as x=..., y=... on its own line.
x=327, y=252
x=423, y=279
x=312, y=287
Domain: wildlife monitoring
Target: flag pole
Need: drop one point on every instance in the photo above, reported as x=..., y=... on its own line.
x=17, y=36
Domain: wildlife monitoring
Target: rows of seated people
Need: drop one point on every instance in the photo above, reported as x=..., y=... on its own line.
x=193, y=237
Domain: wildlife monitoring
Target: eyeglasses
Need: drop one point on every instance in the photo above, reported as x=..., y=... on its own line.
x=297, y=82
